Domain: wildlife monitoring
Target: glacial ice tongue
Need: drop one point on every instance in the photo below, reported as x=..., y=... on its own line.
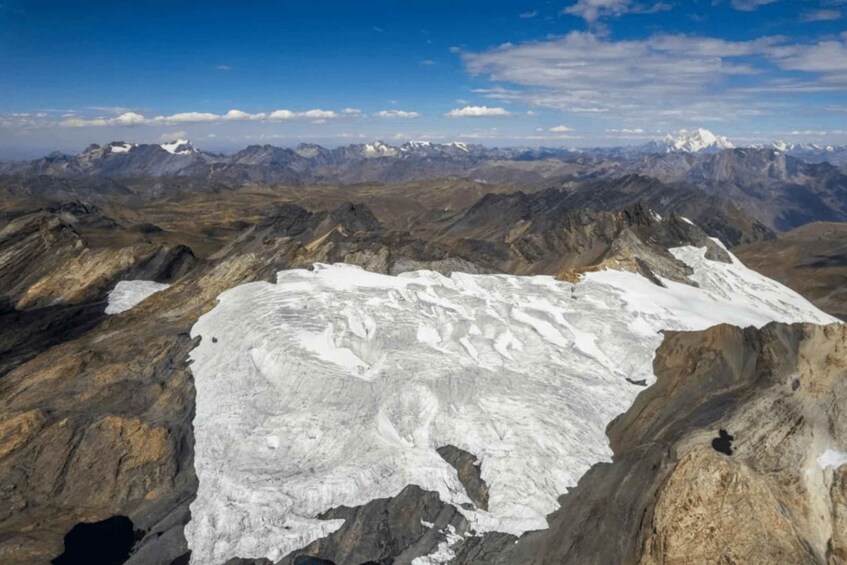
x=335, y=387
x=128, y=294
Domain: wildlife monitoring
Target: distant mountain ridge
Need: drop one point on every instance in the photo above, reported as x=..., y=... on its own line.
x=773, y=184
x=182, y=158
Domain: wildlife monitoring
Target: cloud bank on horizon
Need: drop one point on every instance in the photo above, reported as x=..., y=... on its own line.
x=584, y=72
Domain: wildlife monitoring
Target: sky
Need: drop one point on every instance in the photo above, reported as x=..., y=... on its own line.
x=554, y=73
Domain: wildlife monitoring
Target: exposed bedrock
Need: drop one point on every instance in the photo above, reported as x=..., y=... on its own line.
x=387, y=530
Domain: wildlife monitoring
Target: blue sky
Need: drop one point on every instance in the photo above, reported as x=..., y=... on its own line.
x=573, y=72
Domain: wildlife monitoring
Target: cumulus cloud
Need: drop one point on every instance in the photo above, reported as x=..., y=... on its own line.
x=396, y=114
x=477, y=112
x=560, y=129
x=134, y=118
x=642, y=79
x=593, y=10
x=174, y=135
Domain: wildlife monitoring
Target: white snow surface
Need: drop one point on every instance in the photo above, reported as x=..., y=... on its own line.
x=379, y=149
x=127, y=294
x=695, y=141
x=121, y=147
x=335, y=387
x=832, y=459
x=174, y=147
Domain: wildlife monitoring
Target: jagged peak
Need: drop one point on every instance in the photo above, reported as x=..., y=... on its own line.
x=179, y=147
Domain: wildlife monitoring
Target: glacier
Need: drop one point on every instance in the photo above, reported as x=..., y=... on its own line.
x=127, y=294
x=334, y=386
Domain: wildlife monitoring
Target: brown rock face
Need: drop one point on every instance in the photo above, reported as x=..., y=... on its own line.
x=811, y=260
x=712, y=509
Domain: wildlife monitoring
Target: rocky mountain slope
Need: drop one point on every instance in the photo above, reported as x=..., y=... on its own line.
x=812, y=260
x=777, y=188
x=100, y=411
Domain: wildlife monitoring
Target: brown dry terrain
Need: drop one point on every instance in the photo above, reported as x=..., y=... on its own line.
x=811, y=260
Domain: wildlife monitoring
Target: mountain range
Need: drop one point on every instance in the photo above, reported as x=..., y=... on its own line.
x=779, y=189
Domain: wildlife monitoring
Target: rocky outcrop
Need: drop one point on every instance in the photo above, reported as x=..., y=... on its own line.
x=469, y=473
x=389, y=530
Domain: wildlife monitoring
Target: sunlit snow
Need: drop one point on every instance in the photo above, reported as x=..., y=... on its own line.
x=127, y=294
x=832, y=459
x=174, y=147
x=335, y=387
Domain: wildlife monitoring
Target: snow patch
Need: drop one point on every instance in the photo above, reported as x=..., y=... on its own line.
x=696, y=141
x=121, y=147
x=127, y=294
x=832, y=459
x=336, y=386
x=179, y=147
x=444, y=553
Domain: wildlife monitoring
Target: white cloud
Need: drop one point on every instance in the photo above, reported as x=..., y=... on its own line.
x=627, y=130
x=593, y=10
x=822, y=16
x=352, y=112
x=129, y=118
x=826, y=57
x=641, y=79
x=428, y=63
x=396, y=114
x=477, y=112
x=134, y=118
x=750, y=5
x=174, y=135
x=224, y=68
x=319, y=114
x=528, y=15
x=560, y=129
x=282, y=115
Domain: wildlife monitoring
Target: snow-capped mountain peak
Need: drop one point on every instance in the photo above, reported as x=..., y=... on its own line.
x=459, y=145
x=121, y=147
x=416, y=144
x=179, y=147
x=696, y=141
x=379, y=149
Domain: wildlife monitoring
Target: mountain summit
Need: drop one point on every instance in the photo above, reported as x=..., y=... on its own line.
x=695, y=142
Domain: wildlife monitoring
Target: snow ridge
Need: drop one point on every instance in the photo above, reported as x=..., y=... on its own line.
x=335, y=386
x=696, y=141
